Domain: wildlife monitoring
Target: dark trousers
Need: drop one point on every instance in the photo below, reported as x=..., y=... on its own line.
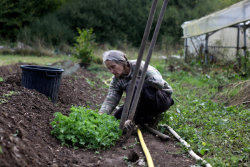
x=151, y=104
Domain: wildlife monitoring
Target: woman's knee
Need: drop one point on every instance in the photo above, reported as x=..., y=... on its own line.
x=164, y=101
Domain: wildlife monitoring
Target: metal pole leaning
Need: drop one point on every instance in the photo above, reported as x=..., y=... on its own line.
x=138, y=64
x=151, y=48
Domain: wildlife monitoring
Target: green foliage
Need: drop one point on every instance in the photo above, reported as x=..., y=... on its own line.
x=218, y=133
x=1, y=79
x=114, y=22
x=14, y=15
x=86, y=128
x=84, y=46
x=46, y=31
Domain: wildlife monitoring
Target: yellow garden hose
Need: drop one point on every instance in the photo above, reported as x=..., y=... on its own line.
x=145, y=149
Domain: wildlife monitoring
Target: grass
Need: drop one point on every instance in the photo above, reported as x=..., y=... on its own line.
x=217, y=133
x=43, y=60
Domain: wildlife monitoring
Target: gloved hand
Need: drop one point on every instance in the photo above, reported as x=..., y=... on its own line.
x=129, y=125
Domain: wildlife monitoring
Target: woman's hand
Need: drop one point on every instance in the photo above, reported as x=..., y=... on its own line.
x=129, y=124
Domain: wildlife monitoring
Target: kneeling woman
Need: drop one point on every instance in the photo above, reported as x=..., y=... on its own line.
x=155, y=96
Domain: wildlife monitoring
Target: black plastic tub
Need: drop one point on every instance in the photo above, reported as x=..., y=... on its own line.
x=43, y=79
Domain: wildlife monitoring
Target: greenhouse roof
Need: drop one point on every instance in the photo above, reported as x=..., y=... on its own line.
x=237, y=13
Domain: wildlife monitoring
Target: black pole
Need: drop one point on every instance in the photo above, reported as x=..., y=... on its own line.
x=206, y=49
x=238, y=46
x=185, y=50
x=138, y=64
x=245, y=47
x=151, y=48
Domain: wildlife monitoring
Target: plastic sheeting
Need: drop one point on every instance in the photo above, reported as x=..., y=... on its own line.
x=237, y=13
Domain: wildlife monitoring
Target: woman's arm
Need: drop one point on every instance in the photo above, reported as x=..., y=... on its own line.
x=112, y=99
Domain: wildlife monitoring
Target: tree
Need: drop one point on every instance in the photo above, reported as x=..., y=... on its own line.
x=14, y=15
x=116, y=21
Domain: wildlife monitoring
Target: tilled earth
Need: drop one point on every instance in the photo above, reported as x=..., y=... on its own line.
x=25, y=138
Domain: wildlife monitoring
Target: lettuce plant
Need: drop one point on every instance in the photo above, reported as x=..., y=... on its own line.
x=86, y=128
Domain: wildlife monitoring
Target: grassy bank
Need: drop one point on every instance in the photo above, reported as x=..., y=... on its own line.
x=217, y=133
x=42, y=60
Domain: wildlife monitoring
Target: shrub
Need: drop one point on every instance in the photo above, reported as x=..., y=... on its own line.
x=84, y=46
x=48, y=31
x=86, y=128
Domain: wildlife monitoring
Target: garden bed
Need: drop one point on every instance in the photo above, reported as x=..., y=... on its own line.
x=25, y=116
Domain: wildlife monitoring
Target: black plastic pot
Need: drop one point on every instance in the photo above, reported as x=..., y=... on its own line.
x=43, y=79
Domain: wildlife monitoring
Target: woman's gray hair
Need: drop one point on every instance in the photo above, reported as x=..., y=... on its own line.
x=114, y=55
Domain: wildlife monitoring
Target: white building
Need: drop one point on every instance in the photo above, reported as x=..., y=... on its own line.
x=221, y=35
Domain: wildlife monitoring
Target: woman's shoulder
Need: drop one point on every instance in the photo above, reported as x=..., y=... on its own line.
x=133, y=63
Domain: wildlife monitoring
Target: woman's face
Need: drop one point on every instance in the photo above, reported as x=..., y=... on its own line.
x=115, y=68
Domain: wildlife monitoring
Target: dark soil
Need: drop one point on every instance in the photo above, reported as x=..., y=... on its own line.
x=25, y=138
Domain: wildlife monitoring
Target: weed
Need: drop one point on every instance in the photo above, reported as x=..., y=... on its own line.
x=132, y=146
x=10, y=93
x=7, y=95
x=126, y=160
x=1, y=79
x=16, y=133
x=3, y=101
x=91, y=83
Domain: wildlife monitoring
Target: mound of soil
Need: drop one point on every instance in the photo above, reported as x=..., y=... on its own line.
x=235, y=94
x=25, y=138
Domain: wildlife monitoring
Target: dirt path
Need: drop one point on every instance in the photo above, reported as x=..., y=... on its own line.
x=25, y=138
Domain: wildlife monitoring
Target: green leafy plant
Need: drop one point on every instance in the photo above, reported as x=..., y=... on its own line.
x=84, y=46
x=1, y=79
x=86, y=128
